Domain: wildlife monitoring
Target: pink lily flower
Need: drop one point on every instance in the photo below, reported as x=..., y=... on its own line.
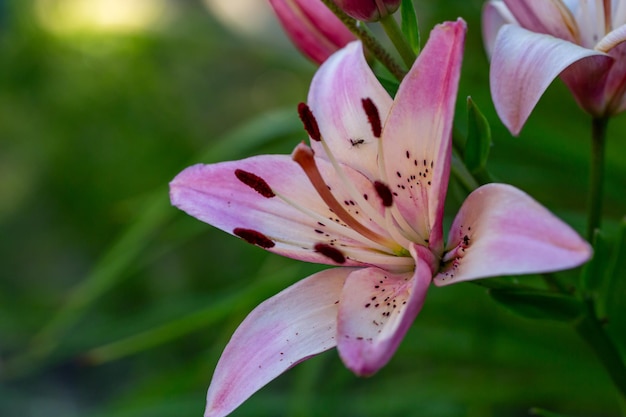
x=312, y=27
x=532, y=42
x=366, y=197
x=368, y=10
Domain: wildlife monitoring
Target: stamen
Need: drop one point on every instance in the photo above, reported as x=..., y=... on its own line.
x=255, y=182
x=373, y=116
x=384, y=193
x=254, y=237
x=303, y=155
x=309, y=122
x=330, y=252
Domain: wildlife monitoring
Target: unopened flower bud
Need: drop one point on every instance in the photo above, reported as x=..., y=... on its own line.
x=368, y=10
x=312, y=27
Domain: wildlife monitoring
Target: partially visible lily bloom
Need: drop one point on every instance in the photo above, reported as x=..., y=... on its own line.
x=312, y=27
x=532, y=42
x=366, y=197
x=368, y=10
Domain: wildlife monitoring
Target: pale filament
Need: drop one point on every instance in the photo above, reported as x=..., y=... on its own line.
x=303, y=155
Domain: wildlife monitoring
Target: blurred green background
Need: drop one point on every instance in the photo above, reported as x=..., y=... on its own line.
x=113, y=303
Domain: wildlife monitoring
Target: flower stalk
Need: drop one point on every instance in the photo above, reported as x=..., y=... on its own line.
x=591, y=331
x=369, y=41
x=394, y=33
x=598, y=145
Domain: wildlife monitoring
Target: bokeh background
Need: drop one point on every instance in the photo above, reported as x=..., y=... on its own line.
x=113, y=303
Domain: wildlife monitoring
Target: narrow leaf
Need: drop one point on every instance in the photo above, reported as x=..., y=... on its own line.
x=534, y=304
x=478, y=138
x=410, y=27
x=112, y=267
x=544, y=413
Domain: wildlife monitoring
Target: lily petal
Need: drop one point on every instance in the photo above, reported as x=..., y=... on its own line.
x=516, y=83
x=495, y=14
x=546, y=17
x=375, y=312
x=614, y=44
x=335, y=98
x=312, y=27
x=500, y=230
x=416, y=136
x=294, y=221
x=292, y=326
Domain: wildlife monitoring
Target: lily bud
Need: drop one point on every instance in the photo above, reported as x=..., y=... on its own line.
x=368, y=10
x=312, y=27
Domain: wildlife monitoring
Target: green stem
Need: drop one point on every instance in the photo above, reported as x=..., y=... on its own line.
x=466, y=179
x=397, y=38
x=369, y=41
x=598, y=140
x=590, y=329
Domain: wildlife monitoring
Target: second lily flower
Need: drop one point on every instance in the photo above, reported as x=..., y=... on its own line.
x=531, y=42
x=367, y=197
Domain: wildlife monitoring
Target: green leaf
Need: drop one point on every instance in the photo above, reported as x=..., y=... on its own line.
x=478, y=138
x=535, y=304
x=410, y=27
x=114, y=264
x=544, y=413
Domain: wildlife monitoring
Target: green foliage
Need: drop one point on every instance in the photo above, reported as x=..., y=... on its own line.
x=410, y=27
x=113, y=303
x=539, y=304
x=478, y=141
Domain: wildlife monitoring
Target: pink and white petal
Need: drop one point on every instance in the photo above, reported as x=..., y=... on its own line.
x=545, y=17
x=417, y=133
x=587, y=80
x=335, y=98
x=215, y=195
x=500, y=230
x=591, y=21
x=304, y=34
x=325, y=22
x=495, y=14
x=375, y=312
x=523, y=65
x=292, y=326
x=615, y=90
x=598, y=83
x=619, y=13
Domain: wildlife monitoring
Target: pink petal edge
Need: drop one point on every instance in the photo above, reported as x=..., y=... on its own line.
x=293, y=325
x=523, y=65
x=507, y=232
x=335, y=98
x=375, y=312
x=417, y=133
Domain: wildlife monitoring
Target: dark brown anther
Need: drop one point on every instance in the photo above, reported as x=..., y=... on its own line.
x=372, y=115
x=384, y=193
x=330, y=252
x=253, y=237
x=255, y=182
x=309, y=122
